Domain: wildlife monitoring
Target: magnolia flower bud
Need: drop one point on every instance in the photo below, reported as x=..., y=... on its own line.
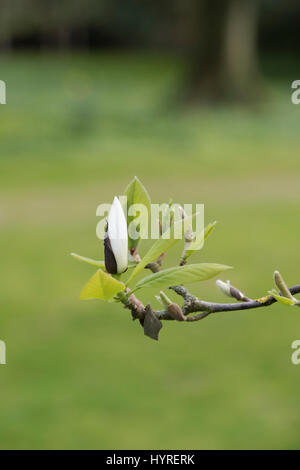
x=173, y=309
x=283, y=288
x=231, y=291
x=224, y=287
x=116, y=240
x=176, y=312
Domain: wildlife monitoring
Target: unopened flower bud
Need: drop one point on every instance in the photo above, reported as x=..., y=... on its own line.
x=116, y=240
x=224, y=287
x=176, y=312
x=181, y=211
x=283, y=288
x=231, y=291
x=173, y=309
x=165, y=299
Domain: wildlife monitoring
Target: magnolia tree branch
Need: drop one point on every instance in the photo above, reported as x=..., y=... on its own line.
x=192, y=305
x=105, y=284
x=150, y=319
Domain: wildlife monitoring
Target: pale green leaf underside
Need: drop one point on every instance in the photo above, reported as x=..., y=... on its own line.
x=93, y=262
x=137, y=194
x=281, y=299
x=101, y=286
x=181, y=275
x=159, y=246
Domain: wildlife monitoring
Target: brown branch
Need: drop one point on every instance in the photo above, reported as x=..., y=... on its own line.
x=193, y=305
x=131, y=302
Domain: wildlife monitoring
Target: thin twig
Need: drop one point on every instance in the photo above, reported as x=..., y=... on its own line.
x=193, y=305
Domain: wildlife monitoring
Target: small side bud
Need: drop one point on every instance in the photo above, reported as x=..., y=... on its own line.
x=176, y=312
x=134, y=256
x=189, y=235
x=188, y=240
x=231, y=291
x=154, y=267
x=282, y=287
x=224, y=287
x=173, y=309
x=181, y=211
x=165, y=299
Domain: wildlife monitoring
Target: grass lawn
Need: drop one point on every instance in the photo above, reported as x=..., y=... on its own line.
x=79, y=374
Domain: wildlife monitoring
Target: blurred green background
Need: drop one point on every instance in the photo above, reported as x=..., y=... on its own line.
x=77, y=126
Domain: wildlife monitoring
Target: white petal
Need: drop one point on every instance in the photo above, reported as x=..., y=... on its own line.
x=117, y=233
x=224, y=287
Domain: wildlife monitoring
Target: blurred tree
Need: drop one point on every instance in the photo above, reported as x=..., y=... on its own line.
x=10, y=19
x=223, y=60
x=240, y=49
x=217, y=37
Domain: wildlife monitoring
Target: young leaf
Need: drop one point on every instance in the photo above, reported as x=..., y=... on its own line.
x=281, y=299
x=159, y=246
x=181, y=275
x=93, y=262
x=137, y=194
x=199, y=240
x=283, y=288
x=101, y=286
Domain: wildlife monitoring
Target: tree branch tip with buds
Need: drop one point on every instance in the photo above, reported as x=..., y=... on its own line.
x=121, y=253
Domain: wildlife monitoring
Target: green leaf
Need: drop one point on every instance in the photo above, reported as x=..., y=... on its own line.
x=159, y=246
x=93, y=262
x=101, y=286
x=181, y=275
x=281, y=299
x=137, y=194
x=196, y=245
